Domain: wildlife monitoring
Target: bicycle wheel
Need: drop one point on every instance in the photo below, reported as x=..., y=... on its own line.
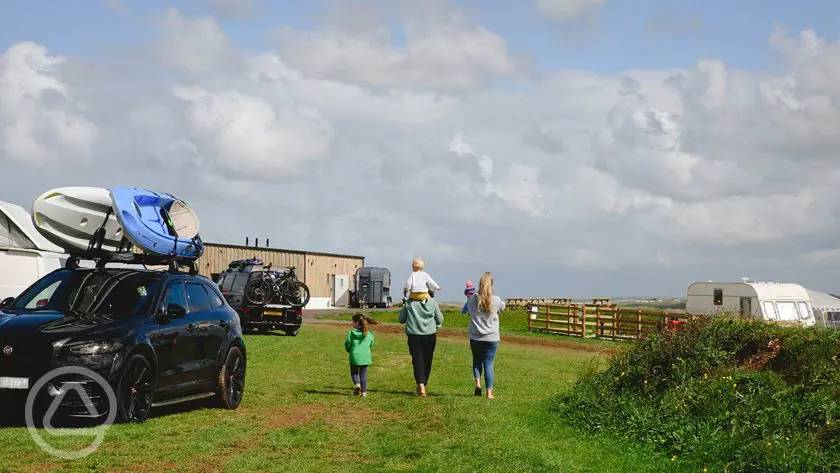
x=258, y=291
x=297, y=294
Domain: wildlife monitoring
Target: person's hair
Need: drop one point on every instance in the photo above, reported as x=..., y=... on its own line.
x=418, y=264
x=363, y=322
x=485, y=292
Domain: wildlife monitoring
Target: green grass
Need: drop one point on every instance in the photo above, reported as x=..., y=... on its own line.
x=511, y=322
x=298, y=415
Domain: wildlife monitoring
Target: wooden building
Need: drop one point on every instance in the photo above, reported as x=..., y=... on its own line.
x=329, y=276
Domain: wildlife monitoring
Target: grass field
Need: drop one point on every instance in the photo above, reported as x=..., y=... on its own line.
x=299, y=415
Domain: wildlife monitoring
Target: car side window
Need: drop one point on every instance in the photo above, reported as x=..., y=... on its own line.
x=228, y=282
x=238, y=285
x=216, y=300
x=175, y=295
x=198, y=298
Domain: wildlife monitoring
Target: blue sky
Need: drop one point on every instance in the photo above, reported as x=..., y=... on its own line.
x=578, y=147
x=622, y=35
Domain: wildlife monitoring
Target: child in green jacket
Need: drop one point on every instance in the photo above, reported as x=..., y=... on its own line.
x=359, y=344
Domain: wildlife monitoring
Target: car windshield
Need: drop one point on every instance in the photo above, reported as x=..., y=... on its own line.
x=107, y=292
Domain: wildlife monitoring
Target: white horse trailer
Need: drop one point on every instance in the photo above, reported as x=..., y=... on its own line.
x=25, y=255
x=762, y=300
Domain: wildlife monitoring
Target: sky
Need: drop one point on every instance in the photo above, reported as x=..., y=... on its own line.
x=574, y=148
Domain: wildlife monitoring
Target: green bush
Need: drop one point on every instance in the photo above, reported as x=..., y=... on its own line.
x=729, y=395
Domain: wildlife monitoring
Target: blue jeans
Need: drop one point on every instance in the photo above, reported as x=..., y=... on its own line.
x=484, y=353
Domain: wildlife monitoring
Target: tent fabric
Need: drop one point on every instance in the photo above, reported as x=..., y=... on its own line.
x=824, y=302
x=12, y=237
x=18, y=232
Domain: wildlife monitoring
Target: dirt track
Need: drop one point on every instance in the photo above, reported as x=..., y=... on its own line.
x=514, y=339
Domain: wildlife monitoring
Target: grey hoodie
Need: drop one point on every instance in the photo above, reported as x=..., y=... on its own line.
x=484, y=326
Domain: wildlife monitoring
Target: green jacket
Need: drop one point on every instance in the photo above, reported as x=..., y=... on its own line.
x=359, y=346
x=421, y=318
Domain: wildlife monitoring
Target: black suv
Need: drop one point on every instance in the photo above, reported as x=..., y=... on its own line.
x=233, y=281
x=158, y=338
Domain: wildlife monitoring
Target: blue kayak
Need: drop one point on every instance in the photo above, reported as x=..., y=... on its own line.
x=159, y=224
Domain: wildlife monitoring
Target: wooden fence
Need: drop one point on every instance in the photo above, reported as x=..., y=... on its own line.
x=600, y=321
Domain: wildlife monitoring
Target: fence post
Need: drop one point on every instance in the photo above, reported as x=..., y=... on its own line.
x=546, y=318
x=639, y=325
x=583, y=322
x=598, y=329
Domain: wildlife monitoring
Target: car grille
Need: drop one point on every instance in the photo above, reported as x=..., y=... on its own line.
x=28, y=358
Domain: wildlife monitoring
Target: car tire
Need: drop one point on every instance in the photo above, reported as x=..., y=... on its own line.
x=231, y=380
x=292, y=332
x=134, y=390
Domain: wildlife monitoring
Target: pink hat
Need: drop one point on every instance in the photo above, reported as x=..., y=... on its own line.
x=470, y=284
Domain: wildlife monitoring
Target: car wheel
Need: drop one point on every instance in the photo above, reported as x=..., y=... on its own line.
x=292, y=332
x=134, y=391
x=232, y=379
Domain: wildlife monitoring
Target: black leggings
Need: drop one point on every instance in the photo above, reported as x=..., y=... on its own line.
x=359, y=375
x=422, y=349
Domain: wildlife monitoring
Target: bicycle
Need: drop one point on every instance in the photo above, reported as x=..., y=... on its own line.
x=267, y=285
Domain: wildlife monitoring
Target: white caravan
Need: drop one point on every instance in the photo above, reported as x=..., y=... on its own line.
x=25, y=255
x=763, y=300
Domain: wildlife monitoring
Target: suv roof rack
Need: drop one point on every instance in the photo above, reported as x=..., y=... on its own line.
x=104, y=257
x=125, y=255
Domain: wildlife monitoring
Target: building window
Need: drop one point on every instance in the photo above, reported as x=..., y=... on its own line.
x=718, y=296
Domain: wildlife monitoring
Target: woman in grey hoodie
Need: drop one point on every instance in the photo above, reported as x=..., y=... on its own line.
x=483, y=331
x=422, y=321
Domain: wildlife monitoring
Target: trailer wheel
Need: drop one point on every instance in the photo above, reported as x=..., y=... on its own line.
x=292, y=332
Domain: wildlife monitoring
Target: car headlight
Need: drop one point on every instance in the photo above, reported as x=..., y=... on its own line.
x=87, y=348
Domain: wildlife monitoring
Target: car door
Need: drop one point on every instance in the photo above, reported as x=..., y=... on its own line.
x=202, y=333
x=169, y=339
x=220, y=325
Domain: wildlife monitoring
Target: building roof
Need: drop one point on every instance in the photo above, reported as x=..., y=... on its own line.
x=280, y=250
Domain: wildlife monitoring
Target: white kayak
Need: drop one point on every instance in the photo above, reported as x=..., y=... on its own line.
x=69, y=217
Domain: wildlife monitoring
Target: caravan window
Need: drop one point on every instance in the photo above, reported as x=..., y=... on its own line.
x=11, y=236
x=787, y=311
x=769, y=310
x=804, y=313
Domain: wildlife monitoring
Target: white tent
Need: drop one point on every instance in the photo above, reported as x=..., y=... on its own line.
x=18, y=232
x=826, y=307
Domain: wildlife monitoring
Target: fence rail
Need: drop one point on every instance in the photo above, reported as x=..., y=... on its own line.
x=600, y=321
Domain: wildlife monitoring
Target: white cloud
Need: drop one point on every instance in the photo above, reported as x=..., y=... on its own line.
x=193, y=45
x=39, y=119
x=249, y=137
x=454, y=55
x=567, y=10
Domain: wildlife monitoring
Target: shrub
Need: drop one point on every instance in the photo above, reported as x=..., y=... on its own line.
x=730, y=395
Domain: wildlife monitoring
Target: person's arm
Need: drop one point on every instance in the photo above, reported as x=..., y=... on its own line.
x=464, y=309
x=372, y=339
x=347, y=343
x=431, y=284
x=403, y=314
x=438, y=316
x=502, y=304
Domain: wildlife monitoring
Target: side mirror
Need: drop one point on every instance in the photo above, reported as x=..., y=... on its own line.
x=175, y=311
x=7, y=302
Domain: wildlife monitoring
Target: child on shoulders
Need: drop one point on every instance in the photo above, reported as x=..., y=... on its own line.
x=419, y=284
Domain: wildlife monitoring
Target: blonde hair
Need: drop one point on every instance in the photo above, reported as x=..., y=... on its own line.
x=485, y=292
x=418, y=264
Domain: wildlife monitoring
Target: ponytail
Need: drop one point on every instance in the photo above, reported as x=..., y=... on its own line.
x=485, y=293
x=363, y=322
